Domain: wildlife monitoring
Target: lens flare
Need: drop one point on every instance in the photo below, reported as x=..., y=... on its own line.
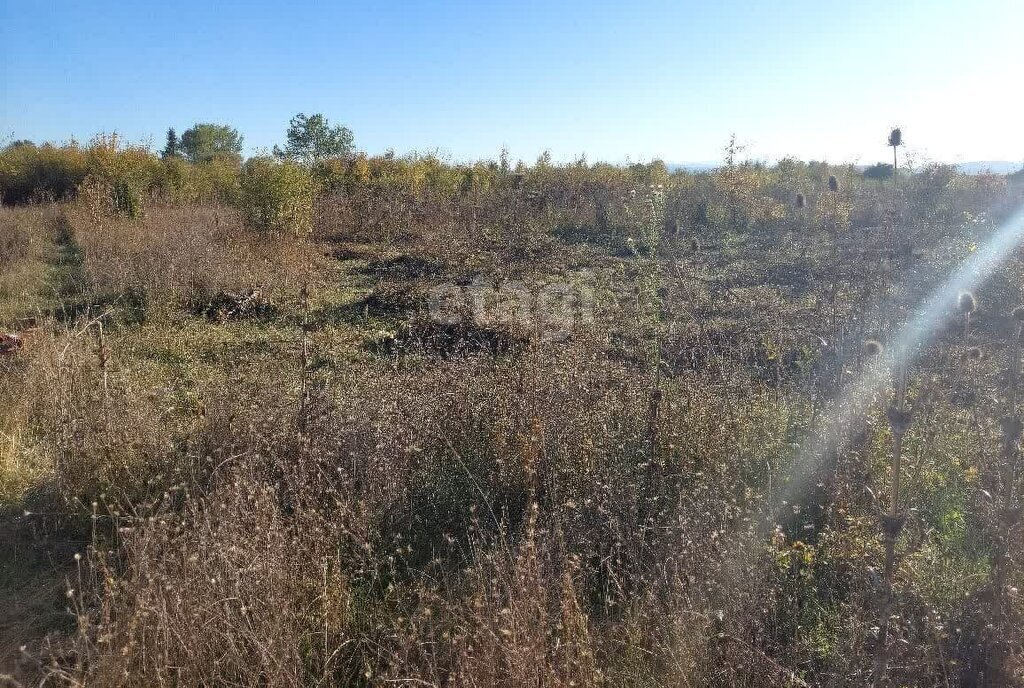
x=851, y=408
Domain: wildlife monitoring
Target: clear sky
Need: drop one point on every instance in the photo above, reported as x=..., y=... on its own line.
x=612, y=80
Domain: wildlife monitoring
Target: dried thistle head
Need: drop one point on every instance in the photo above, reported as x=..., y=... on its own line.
x=1012, y=428
x=926, y=393
x=966, y=303
x=873, y=347
x=800, y=200
x=899, y=420
x=963, y=399
x=972, y=353
x=896, y=137
x=833, y=183
x=893, y=525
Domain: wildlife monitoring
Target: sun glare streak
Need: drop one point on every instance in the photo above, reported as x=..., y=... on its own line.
x=852, y=406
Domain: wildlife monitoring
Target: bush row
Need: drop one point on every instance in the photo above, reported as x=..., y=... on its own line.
x=281, y=195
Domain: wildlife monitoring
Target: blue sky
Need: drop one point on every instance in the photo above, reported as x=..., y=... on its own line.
x=615, y=81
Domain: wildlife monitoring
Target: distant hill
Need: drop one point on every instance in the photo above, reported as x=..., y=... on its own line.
x=692, y=166
x=993, y=166
x=972, y=167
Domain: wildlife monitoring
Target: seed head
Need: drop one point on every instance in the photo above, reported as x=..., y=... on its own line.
x=972, y=353
x=892, y=525
x=1012, y=428
x=833, y=183
x=899, y=420
x=966, y=303
x=964, y=398
x=896, y=137
x=873, y=347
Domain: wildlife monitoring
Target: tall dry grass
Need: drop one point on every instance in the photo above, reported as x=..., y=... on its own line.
x=182, y=256
x=281, y=500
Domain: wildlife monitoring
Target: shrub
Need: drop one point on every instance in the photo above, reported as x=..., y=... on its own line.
x=277, y=196
x=111, y=160
x=128, y=173
x=332, y=174
x=211, y=183
x=29, y=172
x=126, y=199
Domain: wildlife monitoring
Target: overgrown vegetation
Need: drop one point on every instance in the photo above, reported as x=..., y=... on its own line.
x=375, y=420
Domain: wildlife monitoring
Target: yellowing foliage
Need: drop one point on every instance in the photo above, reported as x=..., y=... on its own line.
x=278, y=196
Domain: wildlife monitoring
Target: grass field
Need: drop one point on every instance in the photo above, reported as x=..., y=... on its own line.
x=551, y=426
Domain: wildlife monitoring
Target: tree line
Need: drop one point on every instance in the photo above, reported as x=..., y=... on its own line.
x=310, y=138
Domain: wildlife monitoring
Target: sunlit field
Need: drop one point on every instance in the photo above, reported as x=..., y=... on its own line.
x=385, y=420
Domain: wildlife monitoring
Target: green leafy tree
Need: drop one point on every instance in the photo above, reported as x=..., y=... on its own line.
x=879, y=171
x=205, y=142
x=312, y=138
x=172, y=149
x=20, y=143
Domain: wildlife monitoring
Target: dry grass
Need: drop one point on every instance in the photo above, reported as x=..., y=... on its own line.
x=25, y=246
x=273, y=497
x=190, y=257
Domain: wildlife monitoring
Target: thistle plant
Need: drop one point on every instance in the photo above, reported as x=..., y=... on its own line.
x=1009, y=512
x=103, y=355
x=835, y=221
x=833, y=217
x=965, y=305
x=898, y=417
x=304, y=352
x=800, y=204
x=650, y=221
x=646, y=212
x=895, y=141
